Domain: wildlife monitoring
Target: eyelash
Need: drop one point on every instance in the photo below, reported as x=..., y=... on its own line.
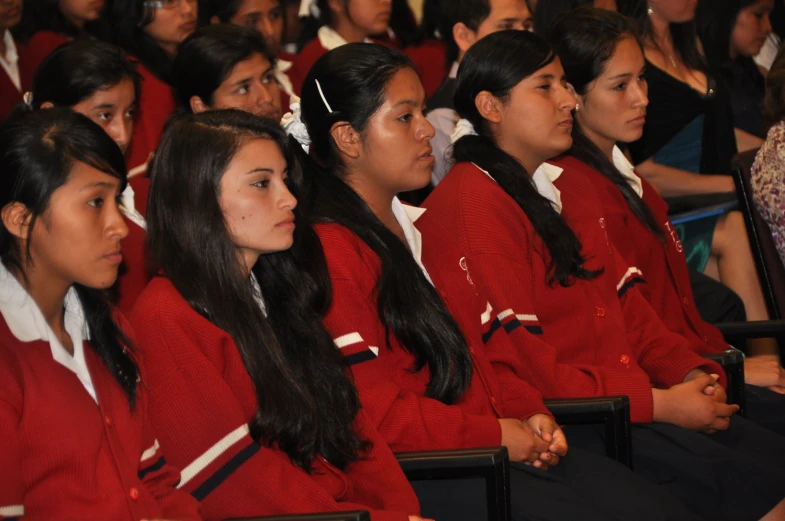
x=264, y=183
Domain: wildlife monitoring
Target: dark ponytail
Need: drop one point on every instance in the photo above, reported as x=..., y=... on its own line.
x=497, y=63
x=353, y=79
x=585, y=39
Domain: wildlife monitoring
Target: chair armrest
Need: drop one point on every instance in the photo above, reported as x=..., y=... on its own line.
x=359, y=515
x=732, y=361
x=611, y=411
x=757, y=329
x=492, y=464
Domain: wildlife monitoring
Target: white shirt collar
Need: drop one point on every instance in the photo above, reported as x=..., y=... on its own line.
x=28, y=324
x=544, y=177
x=454, y=70
x=281, y=66
x=626, y=168
x=10, y=62
x=330, y=39
x=406, y=216
x=127, y=208
x=257, y=294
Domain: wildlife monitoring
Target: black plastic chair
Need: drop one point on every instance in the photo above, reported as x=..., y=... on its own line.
x=334, y=516
x=732, y=361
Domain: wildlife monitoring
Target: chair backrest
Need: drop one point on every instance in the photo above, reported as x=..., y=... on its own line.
x=333, y=516
x=771, y=272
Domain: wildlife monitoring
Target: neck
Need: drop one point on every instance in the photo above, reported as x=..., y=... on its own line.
x=380, y=203
x=529, y=159
x=248, y=260
x=661, y=31
x=169, y=48
x=76, y=22
x=48, y=292
x=348, y=30
x=605, y=145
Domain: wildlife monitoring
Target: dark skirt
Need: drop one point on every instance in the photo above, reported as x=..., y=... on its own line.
x=733, y=475
x=766, y=408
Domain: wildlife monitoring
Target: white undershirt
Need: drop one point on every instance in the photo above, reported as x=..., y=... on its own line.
x=10, y=62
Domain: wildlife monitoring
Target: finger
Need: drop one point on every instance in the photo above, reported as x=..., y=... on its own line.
x=709, y=390
x=546, y=429
x=559, y=445
x=703, y=381
x=777, y=389
x=553, y=460
x=720, y=424
x=539, y=445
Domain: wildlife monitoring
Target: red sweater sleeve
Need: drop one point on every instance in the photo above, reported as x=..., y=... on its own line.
x=11, y=491
x=539, y=360
x=406, y=419
x=221, y=465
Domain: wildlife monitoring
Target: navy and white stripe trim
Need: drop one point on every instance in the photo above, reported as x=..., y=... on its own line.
x=631, y=278
x=156, y=464
x=355, y=358
x=12, y=512
x=230, y=441
x=530, y=322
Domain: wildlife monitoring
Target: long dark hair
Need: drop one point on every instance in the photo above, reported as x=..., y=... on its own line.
x=353, y=78
x=38, y=149
x=76, y=70
x=127, y=19
x=45, y=15
x=715, y=22
x=585, y=39
x=207, y=57
x=497, y=63
x=310, y=25
x=549, y=10
x=684, y=35
x=469, y=12
x=306, y=402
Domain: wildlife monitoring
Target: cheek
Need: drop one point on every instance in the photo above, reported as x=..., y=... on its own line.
x=162, y=27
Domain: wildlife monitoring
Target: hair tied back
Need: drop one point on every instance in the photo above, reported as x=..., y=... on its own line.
x=292, y=123
x=463, y=128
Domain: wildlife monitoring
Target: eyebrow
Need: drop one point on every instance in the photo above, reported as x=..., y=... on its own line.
x=407, y=102
x=99, y=184
x=620, y=76
x=104, y=106
x=510, y=20
x=260, y=169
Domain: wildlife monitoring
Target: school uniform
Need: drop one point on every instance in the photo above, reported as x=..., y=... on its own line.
x=41, y=45
x=73, y=448
x=202, y=401
x=156, y=103
x=283, y=66
x=14, y=79
x=668, y=289
x=429, y=58
x=326, y=40
x=394, y=395
x=444, y=118
x=134, y=273
x=600, y=337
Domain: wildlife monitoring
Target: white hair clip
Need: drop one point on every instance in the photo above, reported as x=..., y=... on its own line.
x=293, y=125
x=309, y=8
x=321, y=93
x=28, y=99
x=463, y=128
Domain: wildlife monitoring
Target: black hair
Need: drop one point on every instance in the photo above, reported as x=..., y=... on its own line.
x=471, y=13
x=127, y=19
x=549, y=10
x=715, y=22
x=206, y=58
x=684, y=35
x=38, y=150
x=774, y=102
x=45, y=15
x=310, y=25
x=430, y=24
x=497, y=63
x=225, y=10
x=585, y=39
x=403, y=23
x=354, y=78
x=78, y=69
x=306, y=402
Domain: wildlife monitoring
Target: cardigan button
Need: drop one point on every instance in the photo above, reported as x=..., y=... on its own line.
x=134, y=493
x=493, y=400
x=600, y=312
x=108, y=421
x=624, y=359
x=685, y=301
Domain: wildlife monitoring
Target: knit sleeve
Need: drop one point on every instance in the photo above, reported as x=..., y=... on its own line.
x=505, y=282
x=11, y=491
x=204, y=432
x=666, y=357
x=406, y=420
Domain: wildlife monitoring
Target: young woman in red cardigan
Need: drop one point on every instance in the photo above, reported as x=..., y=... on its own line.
x=249, y=395
x=537, y=246
x=413, y=331
x=96, y=79
x=224, y=66
x=328, y=24
x=150, y=31
x=603, y=60
x=267, y=18
x=77, y=442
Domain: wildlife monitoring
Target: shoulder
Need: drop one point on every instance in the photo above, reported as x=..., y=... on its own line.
x=161, y=306
x=348, y=257
x=467, y=190
x=46, y=39
x=312, y=51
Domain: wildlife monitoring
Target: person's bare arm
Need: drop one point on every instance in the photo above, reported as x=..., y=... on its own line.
x=673, y=182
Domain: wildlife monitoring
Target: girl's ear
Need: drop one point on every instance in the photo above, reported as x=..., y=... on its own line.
x=489, y=106
x=347, y=139
x=338, y=6
x=16, y=219
x=463, y=36
x=197, y=105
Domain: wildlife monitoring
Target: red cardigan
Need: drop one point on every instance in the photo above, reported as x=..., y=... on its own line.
x=201, y=403
x=156, y=103
x=664, y=265
x=430, y=59
x=134, y=274
x=40, y=45
x=599, y=337
x=392, y=394
x=62, y=457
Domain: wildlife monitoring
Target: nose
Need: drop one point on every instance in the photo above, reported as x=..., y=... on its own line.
x=567, y=99
x=287, y=201
x=425, y=131
x=188, y=7
x=263, y=94
x=120, y=132
x=519, y=25
x=116, y=229
x=767, y=24
x=640, y=92
x=266, y=28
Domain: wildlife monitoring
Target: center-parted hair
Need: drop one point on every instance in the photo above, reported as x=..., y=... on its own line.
x=38, y=150
x=585, y=40
x=354, y=79
x=496, y=64
x=206, y=58
x=306, y=402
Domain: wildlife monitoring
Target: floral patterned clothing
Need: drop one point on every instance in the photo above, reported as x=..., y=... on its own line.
x=768, y=184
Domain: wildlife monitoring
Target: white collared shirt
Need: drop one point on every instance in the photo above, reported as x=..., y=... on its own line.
x=127, y=208
x=281, y=68
x=330, y=39
x=10, y=62
x=28, y=324
x=406, y=216
x=626, y=168
x=544, y=177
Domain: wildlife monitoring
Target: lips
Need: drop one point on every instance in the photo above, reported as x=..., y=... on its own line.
x=116, y=257
x=286, y=223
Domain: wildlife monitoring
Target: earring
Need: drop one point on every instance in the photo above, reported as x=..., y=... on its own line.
x=577, y=107
x=649, y=10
